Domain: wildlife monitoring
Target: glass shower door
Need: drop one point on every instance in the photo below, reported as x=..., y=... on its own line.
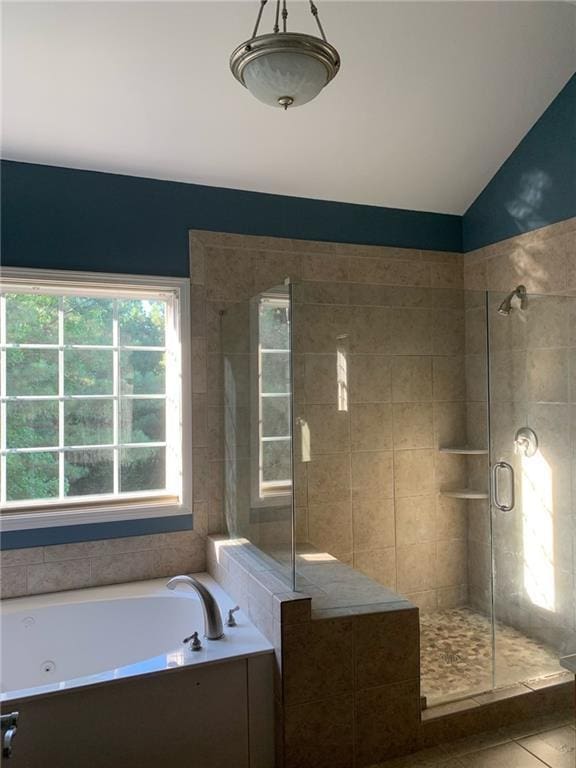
x=532, y=385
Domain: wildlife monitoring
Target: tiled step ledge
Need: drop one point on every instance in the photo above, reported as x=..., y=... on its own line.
x=498, y=708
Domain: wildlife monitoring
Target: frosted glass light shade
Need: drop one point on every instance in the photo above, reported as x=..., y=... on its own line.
x=285, y=69
x=291, y=74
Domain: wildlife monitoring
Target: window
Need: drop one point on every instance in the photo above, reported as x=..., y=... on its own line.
x=274, y=441
x=91, y=402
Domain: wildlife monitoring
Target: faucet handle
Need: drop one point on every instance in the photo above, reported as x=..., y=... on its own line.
x=196, y=644
x=231, y=621
x=9, y=724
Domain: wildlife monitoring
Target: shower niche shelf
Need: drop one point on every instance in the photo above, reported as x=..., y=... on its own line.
x=465, y=450
x=464, y=493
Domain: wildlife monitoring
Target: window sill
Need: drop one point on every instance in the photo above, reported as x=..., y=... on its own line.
x=47, y=519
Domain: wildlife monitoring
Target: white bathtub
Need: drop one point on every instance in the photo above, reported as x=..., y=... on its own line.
x=127, y=639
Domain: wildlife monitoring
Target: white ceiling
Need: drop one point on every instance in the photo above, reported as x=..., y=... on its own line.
x=431, y=98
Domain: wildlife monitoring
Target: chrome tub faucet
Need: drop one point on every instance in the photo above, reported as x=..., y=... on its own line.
x=213, y=629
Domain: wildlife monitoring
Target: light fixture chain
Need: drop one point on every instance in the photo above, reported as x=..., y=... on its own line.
x=314, y=11
x=276, y=25
x=258, y=18
x=284, y=15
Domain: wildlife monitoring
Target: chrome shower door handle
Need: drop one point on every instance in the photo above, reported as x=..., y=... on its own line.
x=499, y=467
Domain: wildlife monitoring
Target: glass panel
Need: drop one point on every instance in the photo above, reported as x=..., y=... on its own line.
x=88, y=472
x=31, y=319
x=88, y=372
x=88, y=422
x=390, y=414
x=141, y=323
x=87, y=320
x=32, y=424
x=142, y=421
x=458, y=638
x=252, y=507
x=32, y=372
x=31, y=476
x=142, y=373
x=142, y=469
x=532, y=433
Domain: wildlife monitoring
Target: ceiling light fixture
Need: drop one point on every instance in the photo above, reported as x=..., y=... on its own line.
x=285, y=69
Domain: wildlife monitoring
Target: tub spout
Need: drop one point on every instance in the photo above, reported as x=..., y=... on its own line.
x=212, y=618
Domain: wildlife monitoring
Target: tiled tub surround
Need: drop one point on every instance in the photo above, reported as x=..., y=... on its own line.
x=95, y=563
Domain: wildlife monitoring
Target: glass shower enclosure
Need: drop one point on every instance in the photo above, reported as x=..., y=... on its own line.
x=338, y=400
x=532, y=430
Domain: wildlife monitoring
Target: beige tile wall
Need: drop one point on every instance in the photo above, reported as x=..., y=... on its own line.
x=96, y=563
x=369, y=493
x=543, y=260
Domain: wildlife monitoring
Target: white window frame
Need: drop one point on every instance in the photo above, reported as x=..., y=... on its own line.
x=283, y=493
x=49, y=513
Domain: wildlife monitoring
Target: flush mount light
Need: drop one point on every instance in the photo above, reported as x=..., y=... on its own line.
x=285, y=69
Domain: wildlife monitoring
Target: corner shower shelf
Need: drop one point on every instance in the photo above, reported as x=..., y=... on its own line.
x=465, y=450
x=464, y=493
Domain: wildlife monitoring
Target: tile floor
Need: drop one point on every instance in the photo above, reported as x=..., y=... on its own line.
x=548, y=742
x=456, y=655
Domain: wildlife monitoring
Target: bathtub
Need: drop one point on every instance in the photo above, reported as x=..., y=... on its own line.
x=101, y=677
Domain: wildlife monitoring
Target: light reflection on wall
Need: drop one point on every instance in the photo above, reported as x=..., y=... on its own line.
x=304, y=440
x=342, y=373
x=525, y=208
x=230, y=464
x=538, y=531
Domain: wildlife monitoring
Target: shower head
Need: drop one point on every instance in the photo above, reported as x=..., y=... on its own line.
x=506, y=307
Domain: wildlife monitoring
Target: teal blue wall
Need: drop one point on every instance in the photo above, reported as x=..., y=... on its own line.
x=536, y=185
x=65, y=219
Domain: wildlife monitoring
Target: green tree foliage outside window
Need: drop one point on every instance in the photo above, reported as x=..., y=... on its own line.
x=77, y=342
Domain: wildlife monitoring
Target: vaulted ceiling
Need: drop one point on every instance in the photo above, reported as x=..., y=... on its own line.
x=431, y=98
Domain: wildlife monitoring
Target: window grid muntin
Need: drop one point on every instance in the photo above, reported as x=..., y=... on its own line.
x=61, y=462
x=3, y=435
x=116, y=403
x=169, y=299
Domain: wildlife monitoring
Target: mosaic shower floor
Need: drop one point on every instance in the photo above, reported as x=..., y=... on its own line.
x=456, y=655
